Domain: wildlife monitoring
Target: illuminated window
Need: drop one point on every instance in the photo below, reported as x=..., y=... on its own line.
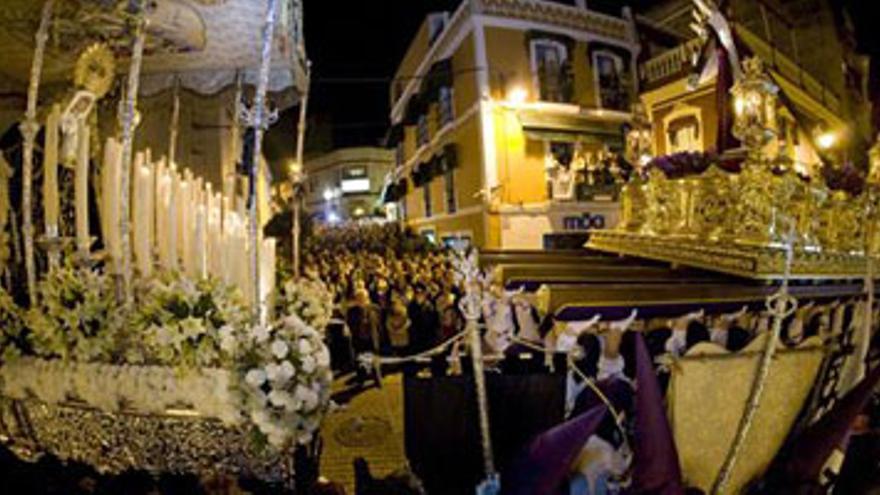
x=610, y=84
x=551, y=70
x=682, y=128
x=684, y=135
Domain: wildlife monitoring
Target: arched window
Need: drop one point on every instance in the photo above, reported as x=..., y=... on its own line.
x=683, y=129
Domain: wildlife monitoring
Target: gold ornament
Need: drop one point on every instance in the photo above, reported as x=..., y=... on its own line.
x=95, y=69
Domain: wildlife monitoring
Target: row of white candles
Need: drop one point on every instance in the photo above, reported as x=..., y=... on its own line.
x=178, y=222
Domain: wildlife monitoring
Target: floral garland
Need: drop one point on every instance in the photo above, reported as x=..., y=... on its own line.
x=287, y=381
x=308, y=298
x=687, y=163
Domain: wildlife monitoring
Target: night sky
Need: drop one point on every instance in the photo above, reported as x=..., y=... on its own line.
x=355, y=47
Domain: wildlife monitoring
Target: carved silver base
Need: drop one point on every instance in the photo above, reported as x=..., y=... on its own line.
x=116, y=442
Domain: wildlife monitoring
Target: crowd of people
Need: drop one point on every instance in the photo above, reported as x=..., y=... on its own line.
x=396, y=293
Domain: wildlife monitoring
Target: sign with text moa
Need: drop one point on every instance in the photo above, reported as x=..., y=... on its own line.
x=584, y=221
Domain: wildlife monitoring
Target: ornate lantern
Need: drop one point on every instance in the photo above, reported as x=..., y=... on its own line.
x=874, y=164
x=754, y=106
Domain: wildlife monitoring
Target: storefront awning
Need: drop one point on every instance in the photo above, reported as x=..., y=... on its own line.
x=546, y=126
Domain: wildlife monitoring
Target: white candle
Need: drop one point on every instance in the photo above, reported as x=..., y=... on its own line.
x=110, y=201
x=50, y=171
x=142, y=217
x=160, y=205
x=172, y=222
x=184, y=224
x=215, y=233
x=81, y=191
x=200, y=247
x=267, y=274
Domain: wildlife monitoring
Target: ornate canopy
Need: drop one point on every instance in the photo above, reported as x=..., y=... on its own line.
x=204, y=43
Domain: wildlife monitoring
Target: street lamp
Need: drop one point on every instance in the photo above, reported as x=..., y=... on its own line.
x=517, y=95
x=754, y=106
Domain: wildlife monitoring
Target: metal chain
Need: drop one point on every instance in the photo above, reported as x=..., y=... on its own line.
x=470, y=306
x=780, y=305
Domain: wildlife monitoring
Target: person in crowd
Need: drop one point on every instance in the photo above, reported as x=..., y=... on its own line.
x=397, y=324
x=424, y=318
x=399, y=294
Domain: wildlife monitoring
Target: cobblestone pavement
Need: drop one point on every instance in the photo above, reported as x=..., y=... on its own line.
x=369, y=426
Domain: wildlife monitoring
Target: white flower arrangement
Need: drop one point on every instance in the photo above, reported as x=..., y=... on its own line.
x=189, y=324
x=307, y=298
x=76, y=317
x=12, y=328
x=287, y=381
x=180, y=345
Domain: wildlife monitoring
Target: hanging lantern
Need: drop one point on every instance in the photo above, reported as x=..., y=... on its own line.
x=754, y=104
x=638, y=139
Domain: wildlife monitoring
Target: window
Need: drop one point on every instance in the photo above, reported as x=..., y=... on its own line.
x=551, y=70
x=422, y=136
x=436, y=25
x=449, y=188
x=447, y=114
x=610, y=85
x=682, y=129
x=427, y=192
x=683, y=134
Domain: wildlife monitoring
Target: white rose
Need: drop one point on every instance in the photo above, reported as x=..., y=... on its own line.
x=272, y=371
x=260, y=333
x=255, y=377
x=304, y=347
x=279, y=398
x=308, y=364
x=287, y=371
x=279, y=349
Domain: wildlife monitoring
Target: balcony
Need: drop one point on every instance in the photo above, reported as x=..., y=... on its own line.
x=675, y=64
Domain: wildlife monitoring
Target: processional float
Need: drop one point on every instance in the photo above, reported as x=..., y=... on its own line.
x=734, y=235
x=747, y=212
x=215, y=383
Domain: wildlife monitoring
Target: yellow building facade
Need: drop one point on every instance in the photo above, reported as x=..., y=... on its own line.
x=499, y=111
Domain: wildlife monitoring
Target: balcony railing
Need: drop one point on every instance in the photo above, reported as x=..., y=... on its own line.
x=670, y=64
x=675, y=63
